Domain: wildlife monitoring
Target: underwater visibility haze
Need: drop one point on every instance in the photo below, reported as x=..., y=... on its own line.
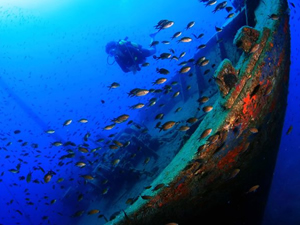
x=108, y=106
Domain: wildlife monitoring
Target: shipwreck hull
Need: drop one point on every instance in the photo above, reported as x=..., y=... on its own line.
x=225, y=176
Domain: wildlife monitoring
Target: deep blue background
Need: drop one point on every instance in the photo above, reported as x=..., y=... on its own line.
x=284, y=200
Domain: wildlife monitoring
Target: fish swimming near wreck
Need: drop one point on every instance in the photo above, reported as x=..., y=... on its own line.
x=95, y=134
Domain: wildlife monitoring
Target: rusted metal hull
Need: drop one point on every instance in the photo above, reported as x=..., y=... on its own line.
x=228, y=177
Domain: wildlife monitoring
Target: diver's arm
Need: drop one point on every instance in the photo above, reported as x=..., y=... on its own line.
x=152, y=51
x=148, y=52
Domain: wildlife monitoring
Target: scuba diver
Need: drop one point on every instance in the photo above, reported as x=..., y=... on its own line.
x=128, y=55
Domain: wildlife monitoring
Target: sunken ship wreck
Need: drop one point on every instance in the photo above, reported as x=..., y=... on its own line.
x=223, y=172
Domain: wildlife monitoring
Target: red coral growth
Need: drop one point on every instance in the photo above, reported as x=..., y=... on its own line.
x=249, y=105
x=179, y=188
x=230, y=158
x=238, y=88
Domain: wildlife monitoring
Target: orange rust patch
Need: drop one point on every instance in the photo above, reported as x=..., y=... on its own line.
x=238, y=88
x=204, y=153
x=247, y=101
x=248, y=105
x=156, y=200
x=281, y=57
x=230, y=158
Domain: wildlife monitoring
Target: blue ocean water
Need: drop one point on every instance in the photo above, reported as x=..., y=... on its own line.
x=54, y=69
x=283, y=205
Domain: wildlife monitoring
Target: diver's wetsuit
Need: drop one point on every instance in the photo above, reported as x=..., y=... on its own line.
x=129, y=55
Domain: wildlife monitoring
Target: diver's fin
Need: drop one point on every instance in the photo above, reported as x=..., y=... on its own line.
x=153, y=35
